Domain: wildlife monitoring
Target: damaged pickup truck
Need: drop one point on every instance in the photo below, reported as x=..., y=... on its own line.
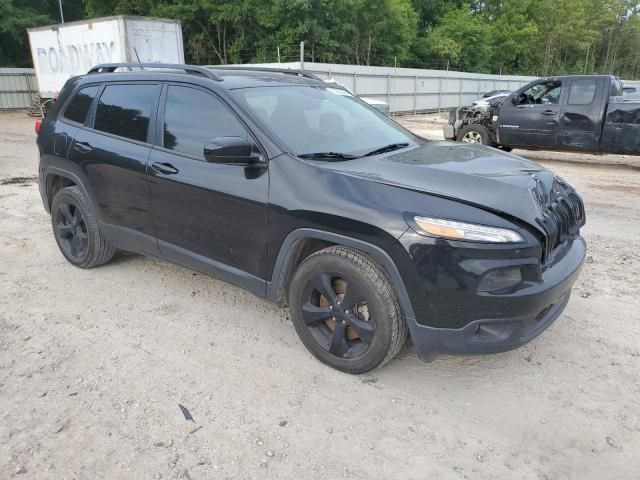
x=579, y=113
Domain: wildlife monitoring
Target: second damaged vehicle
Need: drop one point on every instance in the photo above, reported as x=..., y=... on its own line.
x=576, y=113
x=303, y=194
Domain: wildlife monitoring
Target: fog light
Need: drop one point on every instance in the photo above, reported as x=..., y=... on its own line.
x=500, y=279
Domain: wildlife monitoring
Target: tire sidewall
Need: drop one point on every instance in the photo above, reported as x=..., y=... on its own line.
x=483, y=132
x=380, y=312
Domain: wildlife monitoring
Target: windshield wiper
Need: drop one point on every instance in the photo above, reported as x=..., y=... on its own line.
x=329, y=155
x=387, y=148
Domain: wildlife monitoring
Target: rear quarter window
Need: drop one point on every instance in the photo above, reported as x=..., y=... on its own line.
x=582, y=91
x=79, y=105
x=125, y=110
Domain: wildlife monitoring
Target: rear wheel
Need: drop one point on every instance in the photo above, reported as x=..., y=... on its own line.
x=345, y=310
x=474, y=134
x=76, y=230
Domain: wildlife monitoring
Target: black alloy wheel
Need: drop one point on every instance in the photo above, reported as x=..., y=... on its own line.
x=346, y=311
x=71, y=230
x=337, y=316
x=77, y=231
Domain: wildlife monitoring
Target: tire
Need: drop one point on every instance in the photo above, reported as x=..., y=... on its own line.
x=346, y=311
x=76, y=230
x=474, y=134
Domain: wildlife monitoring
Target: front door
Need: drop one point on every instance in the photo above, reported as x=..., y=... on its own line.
x=530, y=118
x=209, y=216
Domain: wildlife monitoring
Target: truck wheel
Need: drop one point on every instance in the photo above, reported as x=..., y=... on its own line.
x=346, y=311
x=474, y=134
x=76, y=230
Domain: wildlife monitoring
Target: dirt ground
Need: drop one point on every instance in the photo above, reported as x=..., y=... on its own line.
x=95, y=363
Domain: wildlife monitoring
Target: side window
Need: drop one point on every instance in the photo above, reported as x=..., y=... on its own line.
x=79, y=105
x=616, y=88
x=193, y=117
x=541, y=94
x=582, y=91
x=125, y=110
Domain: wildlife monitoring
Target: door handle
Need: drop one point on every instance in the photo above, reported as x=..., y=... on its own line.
x=549, y=112
x=165, y=168
x=82, y=147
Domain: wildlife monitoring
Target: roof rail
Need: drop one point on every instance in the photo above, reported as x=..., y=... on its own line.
x=190, y=69
x=286, y=71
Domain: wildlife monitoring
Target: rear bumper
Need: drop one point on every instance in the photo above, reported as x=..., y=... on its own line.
x=531, y=311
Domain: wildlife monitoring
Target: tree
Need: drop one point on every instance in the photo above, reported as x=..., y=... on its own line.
x=461, y=38
x=16, y=16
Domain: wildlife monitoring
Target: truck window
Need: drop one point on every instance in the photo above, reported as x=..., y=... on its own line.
x=193, y=117
x=544, y=93
x=616, y=88
x=582, y=91
x=79, y=105
x=124, y=110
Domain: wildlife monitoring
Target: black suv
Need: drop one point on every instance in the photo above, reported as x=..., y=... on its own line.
x=301, y=193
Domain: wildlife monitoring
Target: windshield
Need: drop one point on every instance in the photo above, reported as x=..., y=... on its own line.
x=311, y=119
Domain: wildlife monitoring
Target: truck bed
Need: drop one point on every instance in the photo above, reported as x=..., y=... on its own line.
x=621, y=130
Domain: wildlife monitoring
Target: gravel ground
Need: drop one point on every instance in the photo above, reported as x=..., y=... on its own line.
x=94, y=365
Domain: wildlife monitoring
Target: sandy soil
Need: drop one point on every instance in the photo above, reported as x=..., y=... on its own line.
x=94, y=365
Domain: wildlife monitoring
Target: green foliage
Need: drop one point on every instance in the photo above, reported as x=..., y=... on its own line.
x=461, y=38
x=536, y=37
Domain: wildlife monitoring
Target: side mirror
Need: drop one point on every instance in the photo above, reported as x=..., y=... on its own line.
x=236, y=150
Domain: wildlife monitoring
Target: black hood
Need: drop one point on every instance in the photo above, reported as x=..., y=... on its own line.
x=475, y=174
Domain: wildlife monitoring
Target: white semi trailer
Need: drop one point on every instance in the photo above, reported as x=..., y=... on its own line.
x=68, y=49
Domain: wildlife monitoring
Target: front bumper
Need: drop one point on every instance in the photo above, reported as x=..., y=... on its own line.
x=449, y=132
x=515, y=318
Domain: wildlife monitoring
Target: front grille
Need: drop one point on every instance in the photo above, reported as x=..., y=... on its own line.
x=562, y=214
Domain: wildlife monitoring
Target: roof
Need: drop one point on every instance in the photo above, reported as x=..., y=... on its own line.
x=89, y=21
x=566, y=77
x=245, y=78
x=228, y=77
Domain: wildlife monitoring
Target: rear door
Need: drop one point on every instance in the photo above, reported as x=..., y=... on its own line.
x=112, y=151
x=582, y=114
x=209, y=216
x=530, y=117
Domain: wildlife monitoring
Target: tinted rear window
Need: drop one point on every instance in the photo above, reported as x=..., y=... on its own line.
x=125, y=110
x=79, y=105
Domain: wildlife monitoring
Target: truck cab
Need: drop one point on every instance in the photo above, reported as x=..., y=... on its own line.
x=561, y=112
x=585, y=113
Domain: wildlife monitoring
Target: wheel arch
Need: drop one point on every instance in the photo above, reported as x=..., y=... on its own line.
x=301, y=243
x=55, y=179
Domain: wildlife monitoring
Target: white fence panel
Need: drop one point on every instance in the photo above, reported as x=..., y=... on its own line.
x=411, y=89
x=18, y=87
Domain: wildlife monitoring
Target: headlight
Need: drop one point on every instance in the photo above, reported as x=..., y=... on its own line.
x=439, y=227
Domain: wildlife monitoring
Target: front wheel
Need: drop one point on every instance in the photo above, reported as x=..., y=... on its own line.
x=346, y=311
x=474, y=134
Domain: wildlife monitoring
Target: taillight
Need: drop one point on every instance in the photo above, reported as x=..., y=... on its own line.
x=38, y=123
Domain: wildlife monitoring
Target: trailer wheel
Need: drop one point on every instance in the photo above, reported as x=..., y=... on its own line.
x=474, y=134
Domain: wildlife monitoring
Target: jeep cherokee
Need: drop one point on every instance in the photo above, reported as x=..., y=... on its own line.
x=301, y=193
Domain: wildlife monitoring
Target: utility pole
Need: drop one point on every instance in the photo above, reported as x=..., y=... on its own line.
x=278, y=55
x=301, y=55
x=61, y=14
